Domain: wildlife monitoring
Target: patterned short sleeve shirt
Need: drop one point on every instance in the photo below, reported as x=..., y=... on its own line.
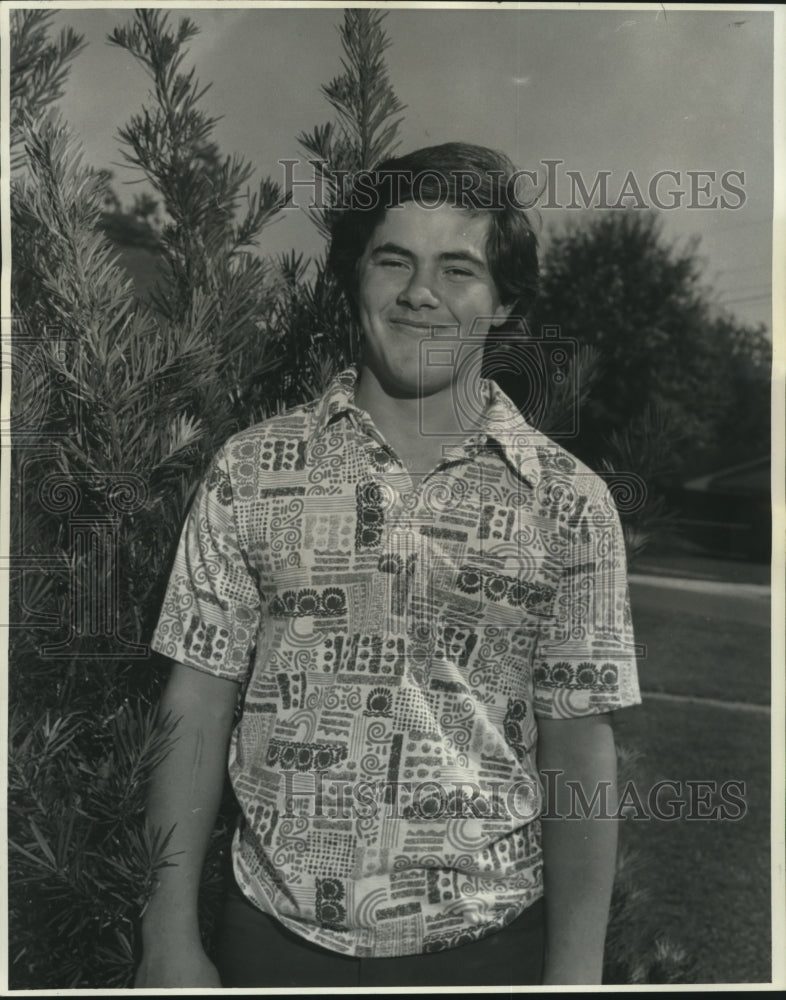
x=396, y=645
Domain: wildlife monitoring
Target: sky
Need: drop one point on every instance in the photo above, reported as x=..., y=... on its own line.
x=641, y=89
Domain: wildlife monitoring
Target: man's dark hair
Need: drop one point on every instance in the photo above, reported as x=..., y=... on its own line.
x=468, y=177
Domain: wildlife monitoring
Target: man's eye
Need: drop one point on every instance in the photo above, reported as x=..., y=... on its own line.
x=459, y=272
x=391, y=262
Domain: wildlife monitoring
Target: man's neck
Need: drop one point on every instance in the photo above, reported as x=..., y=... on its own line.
x=417, y=428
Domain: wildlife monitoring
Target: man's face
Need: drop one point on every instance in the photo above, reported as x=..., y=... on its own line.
x=424, y=274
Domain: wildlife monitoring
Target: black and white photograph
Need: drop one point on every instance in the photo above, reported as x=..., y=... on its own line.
x=391, y=552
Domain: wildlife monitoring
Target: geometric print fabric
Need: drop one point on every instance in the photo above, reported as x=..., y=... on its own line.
x=396, y=645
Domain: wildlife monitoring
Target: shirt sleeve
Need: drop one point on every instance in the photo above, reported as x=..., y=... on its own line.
x=585, y=658
x=211, y=611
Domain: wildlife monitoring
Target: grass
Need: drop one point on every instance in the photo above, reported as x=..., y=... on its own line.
x=688, y=655
x=708, y=880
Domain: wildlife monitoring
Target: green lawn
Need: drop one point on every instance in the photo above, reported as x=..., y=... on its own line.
x=688, y=654
x=708, y=880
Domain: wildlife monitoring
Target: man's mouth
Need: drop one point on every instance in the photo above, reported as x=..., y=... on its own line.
x=414, y=324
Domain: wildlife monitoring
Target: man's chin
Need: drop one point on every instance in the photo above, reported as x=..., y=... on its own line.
x=402, y=386
x=415, y=385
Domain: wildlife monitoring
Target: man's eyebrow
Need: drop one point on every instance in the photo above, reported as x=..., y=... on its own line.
x=464, y=255
x=393, y=248
x=447, y=256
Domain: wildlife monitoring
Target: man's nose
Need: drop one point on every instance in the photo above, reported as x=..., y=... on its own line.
x=419, y=292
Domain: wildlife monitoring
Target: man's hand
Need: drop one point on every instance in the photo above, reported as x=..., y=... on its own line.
x=185, y=966
x=579, y=852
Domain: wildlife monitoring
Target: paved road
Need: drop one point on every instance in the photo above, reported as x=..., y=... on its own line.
x=712, y=600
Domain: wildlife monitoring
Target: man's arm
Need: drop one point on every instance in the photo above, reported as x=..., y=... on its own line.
x=186, y=793
x=578, y=854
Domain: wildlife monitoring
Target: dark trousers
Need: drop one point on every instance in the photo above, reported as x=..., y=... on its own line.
x=255, y=950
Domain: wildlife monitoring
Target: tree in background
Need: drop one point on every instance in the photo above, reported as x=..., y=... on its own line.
x=39, y=70
x=117, y=410
x=667, y=355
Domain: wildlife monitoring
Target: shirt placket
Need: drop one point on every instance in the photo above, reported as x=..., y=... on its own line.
x=407, y=549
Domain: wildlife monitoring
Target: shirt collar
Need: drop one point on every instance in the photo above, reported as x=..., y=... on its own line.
x=501, y=422
x=339, y=398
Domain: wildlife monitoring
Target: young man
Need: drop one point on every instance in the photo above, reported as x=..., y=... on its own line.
x=423, y=603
